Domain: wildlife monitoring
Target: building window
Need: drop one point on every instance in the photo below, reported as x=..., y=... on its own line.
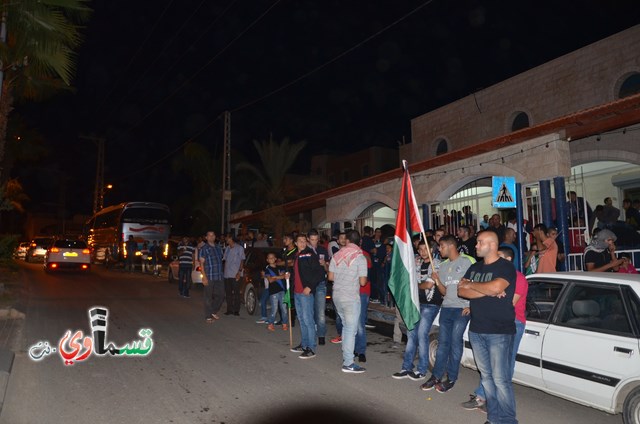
x=365, y=170
x=630, y=86
x=441, y=146
x=520, y=121
x=345, y=176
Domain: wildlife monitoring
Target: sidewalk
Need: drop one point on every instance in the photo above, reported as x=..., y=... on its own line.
x=12, y=321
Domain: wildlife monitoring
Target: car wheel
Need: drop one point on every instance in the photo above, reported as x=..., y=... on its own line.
x=251, y=300
x=433, y=348
x=631, y=409
x=171, y=278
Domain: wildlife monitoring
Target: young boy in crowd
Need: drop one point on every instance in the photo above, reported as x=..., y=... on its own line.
x=627, y=267
x=277, y=287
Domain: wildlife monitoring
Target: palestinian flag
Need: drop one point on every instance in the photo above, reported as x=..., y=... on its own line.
x=287, y=296
x=403, y=281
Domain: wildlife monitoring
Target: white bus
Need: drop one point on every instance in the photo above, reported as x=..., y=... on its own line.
x=109, y=229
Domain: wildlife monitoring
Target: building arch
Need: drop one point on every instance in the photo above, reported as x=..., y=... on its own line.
x=598, y=155
x=518, y=120
x=352, y=209
x=444, y=188
x=441, y=145
x=628, y=84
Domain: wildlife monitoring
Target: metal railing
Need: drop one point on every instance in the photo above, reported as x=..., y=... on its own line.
x=576, y=260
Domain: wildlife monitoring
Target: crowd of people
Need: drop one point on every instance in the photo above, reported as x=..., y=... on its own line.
x=467, y=278
x=489, y=294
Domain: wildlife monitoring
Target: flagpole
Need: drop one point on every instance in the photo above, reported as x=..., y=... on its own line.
x=405, y=167
x=289, y=316
x=426, y=242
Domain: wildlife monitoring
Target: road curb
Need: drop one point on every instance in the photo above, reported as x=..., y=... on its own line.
x=6, y=365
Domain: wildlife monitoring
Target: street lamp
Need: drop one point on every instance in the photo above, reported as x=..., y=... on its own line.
x=101, y=196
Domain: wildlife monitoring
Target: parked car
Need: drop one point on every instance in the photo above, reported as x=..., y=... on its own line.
x=21, y=250
x=174, y=265
x=38, y=248
x=67, y=254
x=581, y=340
x=252, y=281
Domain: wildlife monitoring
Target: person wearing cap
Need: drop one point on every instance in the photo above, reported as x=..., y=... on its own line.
x=600, y=254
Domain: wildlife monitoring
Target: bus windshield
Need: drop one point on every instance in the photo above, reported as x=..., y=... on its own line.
x=145, y=216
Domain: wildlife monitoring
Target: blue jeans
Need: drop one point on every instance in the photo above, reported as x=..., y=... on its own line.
x=277, y=301
x=493, y=357
x=516, y=344
x=304, y=306
x=264, y=298
x=418, y=338
x=319, y=311
x=361, y=335
x=349, y=312
x=450, y=343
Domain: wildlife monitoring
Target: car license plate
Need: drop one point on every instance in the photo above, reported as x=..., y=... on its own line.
x=69, y=254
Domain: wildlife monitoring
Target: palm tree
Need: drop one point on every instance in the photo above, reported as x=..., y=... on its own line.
x=37, y=43
x=273, y=184
x=270, y=181
x=13, y=196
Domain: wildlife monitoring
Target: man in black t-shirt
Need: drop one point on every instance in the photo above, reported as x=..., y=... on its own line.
x=490, y=285
x=600, y=255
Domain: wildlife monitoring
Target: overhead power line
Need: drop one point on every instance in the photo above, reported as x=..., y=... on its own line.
x=277, y=90
x=176, y=62
x=135, y=55
x=330, y=61
x=177, y=90
x=172, y=152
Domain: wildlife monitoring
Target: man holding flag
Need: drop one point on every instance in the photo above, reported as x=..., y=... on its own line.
x=418, y=338
x=307, y=274
x=403, y=281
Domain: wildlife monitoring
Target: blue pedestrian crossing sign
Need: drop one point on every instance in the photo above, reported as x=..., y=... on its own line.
x=503, y=192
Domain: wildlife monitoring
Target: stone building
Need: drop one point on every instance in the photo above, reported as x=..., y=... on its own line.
x=576, y=117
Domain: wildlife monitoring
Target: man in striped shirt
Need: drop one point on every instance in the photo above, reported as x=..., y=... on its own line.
x=185, y=258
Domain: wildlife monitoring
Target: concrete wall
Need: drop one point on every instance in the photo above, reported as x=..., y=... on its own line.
x=538, y=159
x=584, y=78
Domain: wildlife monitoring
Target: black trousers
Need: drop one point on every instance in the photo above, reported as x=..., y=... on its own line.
x=232, y=289
x=213, y=297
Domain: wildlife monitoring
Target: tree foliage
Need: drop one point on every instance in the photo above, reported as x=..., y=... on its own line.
x=38, y=55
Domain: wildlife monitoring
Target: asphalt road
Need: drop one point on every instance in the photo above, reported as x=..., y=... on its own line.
x=232, y=371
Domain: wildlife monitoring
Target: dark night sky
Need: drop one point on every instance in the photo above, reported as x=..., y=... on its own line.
x=149, y=78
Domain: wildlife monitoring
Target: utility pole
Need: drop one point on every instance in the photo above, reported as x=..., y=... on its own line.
x=226, y=174
x=98, y=191
x=3, y=142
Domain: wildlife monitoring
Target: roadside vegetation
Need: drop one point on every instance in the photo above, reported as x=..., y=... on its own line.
x=9, y=272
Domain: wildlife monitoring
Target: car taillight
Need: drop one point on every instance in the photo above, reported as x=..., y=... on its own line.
x=55, y=250
x=85, y=266
x=54, y=265
x=86, y=251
